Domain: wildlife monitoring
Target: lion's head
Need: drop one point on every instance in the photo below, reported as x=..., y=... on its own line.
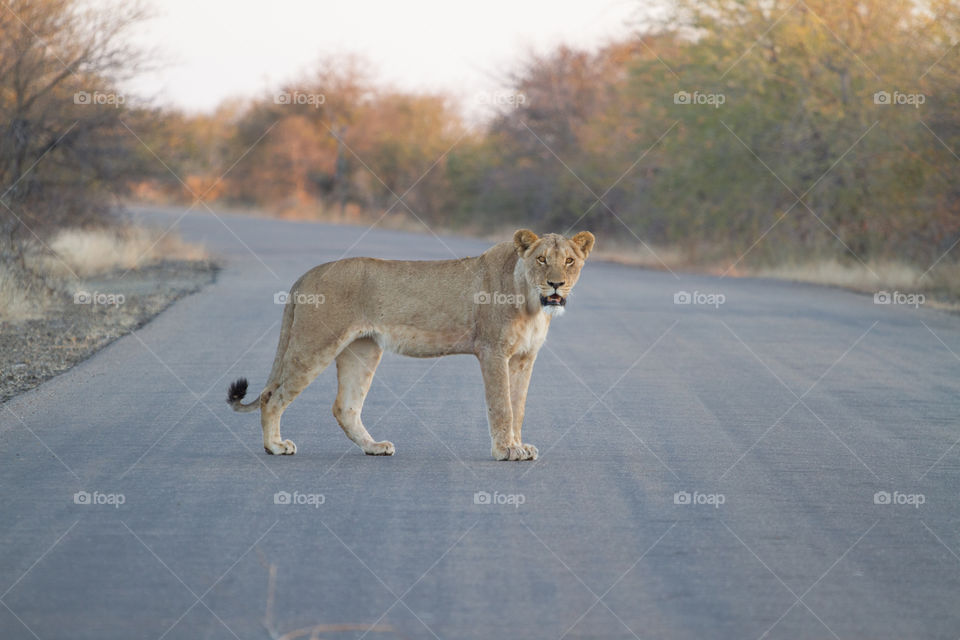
x=551, y=265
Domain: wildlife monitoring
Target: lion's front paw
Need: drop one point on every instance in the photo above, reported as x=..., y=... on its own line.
x=528, y=452
x=383, y=448
x=285, y=448
x=515, y=452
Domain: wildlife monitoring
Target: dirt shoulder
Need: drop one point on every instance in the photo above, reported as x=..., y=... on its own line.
x=101, y=309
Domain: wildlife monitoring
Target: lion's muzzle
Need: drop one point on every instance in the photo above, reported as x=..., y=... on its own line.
x=553, y=300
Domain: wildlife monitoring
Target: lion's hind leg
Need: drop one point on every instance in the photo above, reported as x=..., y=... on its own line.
x=300, y=365
x=270, y=412
x=356, y=365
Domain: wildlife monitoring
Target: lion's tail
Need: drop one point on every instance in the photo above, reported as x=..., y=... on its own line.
x=236, y=392
x=238, y=389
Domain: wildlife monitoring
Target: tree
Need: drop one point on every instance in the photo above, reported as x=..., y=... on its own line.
x=63, y=147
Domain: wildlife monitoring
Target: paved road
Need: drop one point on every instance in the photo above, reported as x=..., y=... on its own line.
x=781, y=413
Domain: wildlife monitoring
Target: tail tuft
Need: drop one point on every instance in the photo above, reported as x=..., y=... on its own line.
x=236, y=391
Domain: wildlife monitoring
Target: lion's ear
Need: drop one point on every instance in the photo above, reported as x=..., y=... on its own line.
x=523, y=240
x=584, y=241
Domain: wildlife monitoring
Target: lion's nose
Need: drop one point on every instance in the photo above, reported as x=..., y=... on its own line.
x=555, y=285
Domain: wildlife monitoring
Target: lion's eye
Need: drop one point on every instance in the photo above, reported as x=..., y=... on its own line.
x=541, y=260
x=569, y=261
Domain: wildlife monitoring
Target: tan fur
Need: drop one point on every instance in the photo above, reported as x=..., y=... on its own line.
x=489, y=306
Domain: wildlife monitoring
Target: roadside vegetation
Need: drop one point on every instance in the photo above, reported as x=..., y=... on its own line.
x=805, y=140
x=74, y=275
x=67, y=153
x=815, y=140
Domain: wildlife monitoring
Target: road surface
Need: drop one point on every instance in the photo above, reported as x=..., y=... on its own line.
x=781, y=465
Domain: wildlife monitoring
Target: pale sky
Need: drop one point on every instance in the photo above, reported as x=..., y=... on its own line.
x=216, y=49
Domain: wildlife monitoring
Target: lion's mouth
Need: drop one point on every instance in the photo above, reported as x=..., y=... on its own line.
x=553, y=300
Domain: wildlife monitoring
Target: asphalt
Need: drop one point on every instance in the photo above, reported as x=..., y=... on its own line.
x=786, y=413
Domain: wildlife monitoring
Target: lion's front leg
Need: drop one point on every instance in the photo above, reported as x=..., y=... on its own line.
x=521, y=368
x=496, y=382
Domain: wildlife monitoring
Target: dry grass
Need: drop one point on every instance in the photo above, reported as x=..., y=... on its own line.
x=88, y=252
x=659, y=258
x=941, y=284
x=858, y=276
x=28, y=293
x=21, y=298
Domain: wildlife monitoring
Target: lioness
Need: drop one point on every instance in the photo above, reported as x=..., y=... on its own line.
x=496, y=306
